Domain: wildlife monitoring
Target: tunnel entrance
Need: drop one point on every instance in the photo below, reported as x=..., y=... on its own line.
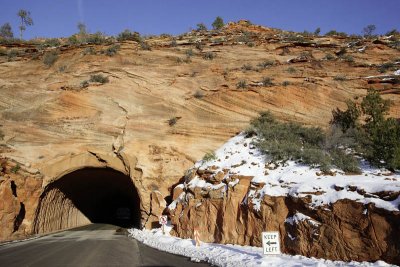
x=89, y=195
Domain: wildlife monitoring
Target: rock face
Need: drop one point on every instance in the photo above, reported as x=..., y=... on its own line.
x=238, y=194
x=52, y=126
x=19, y=193
x=345, y=230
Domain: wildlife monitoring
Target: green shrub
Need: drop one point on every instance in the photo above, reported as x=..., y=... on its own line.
x=128, y=35
x=381, y=143
x=189, y=52
x=16, y=168
x=346, y=119
x=62, y=68
x=208, y=56
x=172, y=121
x=145, y=46
x=50, y=58
x=85, y=84
x=329, y=57
x=201, y=27
x=52, y=42
x=265, y=64
x=369, y=30
x=336, y=33
x=96, y=38
x=81, y=28
x=6, y=31
x=291, y=141
x=291, y=70
x=285, y=83
x=209, y=156
x=247, y=67
x=174, y=43
x=267, y=81
x=345, y=162
x=340, y=78
x=99, y=78
x=89, y=51
x=314, y=157
x=112, y=50
x=199, y=46
x=306, y=33
x=386, y=67
x=245, y=37
x=11, y=41
x=347, y=58
x=218, y=23
x=378, y=137
x=73, y=40
x=242, y=84
x=286, y=141
x=165, y=35
x=374, y=107
x=12, y=54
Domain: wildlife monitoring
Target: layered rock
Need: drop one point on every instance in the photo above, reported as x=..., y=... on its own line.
x=346, y=230
x=19, y=191
x=333, y=217
x=51, y=125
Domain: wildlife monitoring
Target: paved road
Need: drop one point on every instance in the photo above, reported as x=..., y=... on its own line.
x=92, y=245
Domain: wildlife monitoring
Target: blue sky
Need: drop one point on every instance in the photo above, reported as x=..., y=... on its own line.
x=58, y=18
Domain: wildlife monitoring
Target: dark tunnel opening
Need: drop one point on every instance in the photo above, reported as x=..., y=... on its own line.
x=96, y=195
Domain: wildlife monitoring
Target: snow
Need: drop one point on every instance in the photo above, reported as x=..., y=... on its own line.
x=301, y=217
x=179, y=199
x=397, y=72
x=231, y=255
x=378, y=76
x=241, y=157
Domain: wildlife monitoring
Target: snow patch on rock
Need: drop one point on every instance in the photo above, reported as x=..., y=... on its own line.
x=241, y=157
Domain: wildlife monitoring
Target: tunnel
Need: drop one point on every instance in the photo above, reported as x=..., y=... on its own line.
x=88, y=195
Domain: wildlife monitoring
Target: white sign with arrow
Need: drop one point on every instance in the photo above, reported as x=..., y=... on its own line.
x=271, y=243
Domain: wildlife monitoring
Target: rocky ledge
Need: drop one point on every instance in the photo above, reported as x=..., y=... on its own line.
x=236, y=196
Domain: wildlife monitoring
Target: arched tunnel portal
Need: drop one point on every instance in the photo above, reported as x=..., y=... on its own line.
x=89, y=195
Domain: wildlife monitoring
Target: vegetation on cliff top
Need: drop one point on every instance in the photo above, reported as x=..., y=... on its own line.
x=375, y=138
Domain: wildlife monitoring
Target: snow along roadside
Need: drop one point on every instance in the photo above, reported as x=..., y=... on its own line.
x=230, y=255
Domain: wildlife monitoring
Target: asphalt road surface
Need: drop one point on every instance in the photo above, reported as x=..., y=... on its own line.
x=91, y=245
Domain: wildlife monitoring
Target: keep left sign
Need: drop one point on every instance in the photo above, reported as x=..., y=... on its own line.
x=271, y=243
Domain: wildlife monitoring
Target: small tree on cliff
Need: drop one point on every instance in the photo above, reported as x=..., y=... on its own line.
x=26, y=20
x=6, y=31
x=82, y=29
x=346, y=119
x=201, y=27
x=369, y=30
x=378, y=137
x=218, y=23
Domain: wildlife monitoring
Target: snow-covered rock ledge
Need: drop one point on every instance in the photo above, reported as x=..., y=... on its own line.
x=238, y=195
x=231, y=255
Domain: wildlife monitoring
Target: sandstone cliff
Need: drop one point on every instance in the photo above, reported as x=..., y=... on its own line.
x=163, y=109
x=237, y=196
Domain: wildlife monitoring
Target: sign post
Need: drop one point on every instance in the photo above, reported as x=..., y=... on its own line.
x=163, y=222
x=271, y=243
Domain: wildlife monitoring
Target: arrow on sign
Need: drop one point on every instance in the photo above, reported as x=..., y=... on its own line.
x=269, y=243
